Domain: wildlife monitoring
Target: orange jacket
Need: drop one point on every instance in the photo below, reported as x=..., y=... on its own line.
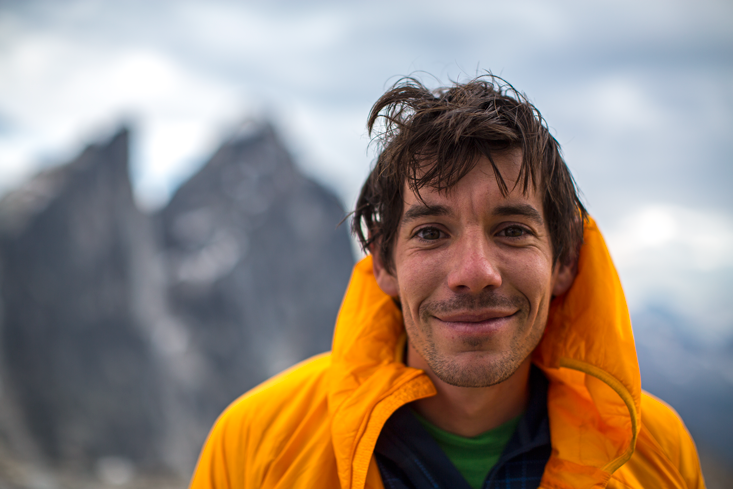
x=316, y=425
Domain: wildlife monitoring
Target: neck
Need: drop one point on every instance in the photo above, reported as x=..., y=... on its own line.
x=470, y=411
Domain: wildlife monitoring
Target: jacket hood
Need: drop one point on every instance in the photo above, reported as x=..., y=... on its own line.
x=589, y=356
x=587, y=353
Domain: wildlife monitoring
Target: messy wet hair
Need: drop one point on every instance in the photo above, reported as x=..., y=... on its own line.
x=435, y=137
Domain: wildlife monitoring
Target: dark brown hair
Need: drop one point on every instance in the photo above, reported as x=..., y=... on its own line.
x=434, y=138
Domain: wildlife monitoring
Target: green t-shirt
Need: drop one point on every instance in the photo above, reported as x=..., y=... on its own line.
x=473, y=457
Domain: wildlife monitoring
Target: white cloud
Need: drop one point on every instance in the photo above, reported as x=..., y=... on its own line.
x=62, y=94
x=680, y=258
x=621, y=104
x=235, y=28
x=688, y=239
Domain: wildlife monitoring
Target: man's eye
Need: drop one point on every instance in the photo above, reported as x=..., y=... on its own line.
x=514, y=232
x=429, y=234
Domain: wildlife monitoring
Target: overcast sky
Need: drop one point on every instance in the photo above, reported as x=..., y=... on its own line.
x=639, y=94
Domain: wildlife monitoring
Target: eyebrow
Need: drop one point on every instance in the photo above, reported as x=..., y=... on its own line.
x=418, y=211
x=525, y=210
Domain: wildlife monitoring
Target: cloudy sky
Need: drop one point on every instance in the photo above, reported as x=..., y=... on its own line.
x=639, y=94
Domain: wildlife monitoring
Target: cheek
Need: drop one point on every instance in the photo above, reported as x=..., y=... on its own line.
x=531, y=275
x=418, y=280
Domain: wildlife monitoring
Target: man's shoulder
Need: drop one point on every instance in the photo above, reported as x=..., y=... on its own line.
x=255, y=428
x=664, y=447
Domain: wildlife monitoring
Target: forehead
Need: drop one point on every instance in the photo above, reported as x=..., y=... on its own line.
x=479, y=190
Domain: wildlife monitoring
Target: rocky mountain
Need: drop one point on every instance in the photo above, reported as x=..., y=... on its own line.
x=123, y=335
x=255, y=271
x=256, y=264
x=75, y=353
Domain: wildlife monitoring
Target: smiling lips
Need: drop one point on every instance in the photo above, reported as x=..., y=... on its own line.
x=476, y=322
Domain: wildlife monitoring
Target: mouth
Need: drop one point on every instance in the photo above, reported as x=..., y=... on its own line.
x=476, y=322
x=474, y=316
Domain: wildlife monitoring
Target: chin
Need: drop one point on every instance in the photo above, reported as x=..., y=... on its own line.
x=474, y=372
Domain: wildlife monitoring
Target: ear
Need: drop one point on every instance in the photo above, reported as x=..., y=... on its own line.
x=386, y=281
x=563, y=276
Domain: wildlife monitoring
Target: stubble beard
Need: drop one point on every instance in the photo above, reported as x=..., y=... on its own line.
x=488, y=366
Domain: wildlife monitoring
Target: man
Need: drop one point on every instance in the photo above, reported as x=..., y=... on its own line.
x=484, y=343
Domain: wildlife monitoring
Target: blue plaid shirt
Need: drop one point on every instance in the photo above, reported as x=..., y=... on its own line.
x=409, y=458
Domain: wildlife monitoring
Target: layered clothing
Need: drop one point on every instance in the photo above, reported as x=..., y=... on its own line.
x=317, y=424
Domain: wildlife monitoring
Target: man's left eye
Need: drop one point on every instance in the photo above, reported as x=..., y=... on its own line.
x=513, y=232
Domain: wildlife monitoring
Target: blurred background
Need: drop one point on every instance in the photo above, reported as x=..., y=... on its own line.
x=172, y=174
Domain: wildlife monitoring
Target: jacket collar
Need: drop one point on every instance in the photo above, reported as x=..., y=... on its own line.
x=587, y=353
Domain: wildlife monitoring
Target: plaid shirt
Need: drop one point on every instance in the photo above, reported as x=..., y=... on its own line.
x=409, y=458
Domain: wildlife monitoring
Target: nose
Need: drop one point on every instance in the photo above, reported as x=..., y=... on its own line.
x=473, y=264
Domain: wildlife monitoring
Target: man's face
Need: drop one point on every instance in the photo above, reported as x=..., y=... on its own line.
x=474, y=273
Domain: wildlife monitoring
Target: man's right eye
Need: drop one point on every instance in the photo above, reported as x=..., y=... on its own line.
x=429, y=234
